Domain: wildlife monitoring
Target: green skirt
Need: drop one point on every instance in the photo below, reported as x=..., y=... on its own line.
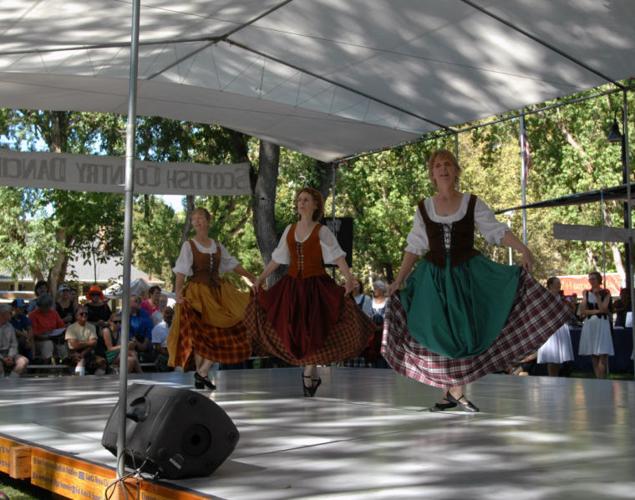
x=459, y=311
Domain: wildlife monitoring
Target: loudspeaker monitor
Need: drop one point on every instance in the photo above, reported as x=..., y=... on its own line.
x=176, y=433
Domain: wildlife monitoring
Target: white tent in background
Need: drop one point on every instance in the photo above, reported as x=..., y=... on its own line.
x=329, y=78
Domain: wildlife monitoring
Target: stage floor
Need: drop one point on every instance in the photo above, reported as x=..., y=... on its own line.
x=368, y=434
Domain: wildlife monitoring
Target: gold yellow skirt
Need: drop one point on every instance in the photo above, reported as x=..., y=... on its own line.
x=209, y=323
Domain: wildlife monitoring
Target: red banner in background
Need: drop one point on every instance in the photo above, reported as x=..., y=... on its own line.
x=577, y=283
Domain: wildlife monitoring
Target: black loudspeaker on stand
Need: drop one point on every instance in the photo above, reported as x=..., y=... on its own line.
x=175, y=433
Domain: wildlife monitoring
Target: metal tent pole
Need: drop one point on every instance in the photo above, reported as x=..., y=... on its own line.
x=127, y=242
x=523, y=173
x=629, y=219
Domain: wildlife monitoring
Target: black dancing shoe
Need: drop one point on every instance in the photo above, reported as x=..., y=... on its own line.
x=315, y=383
x=203, y=382
x=308, y=390
x=446, y=404
x=463, y=403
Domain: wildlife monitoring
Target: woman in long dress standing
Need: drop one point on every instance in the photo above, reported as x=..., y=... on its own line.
x=595, y=338
x=306, y=319
x=208, y=321
x=460, y=315
x=558, y=349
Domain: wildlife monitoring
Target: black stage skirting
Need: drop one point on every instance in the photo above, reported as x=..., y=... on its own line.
x=622, y=345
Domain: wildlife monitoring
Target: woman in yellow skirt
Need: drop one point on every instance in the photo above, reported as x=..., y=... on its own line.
x=208, y=321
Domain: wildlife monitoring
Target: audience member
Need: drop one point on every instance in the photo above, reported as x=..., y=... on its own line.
x=81, y=337
x=64, y=304
x=141, y=330
x=97, y=307
x=152, y=305
x=45, y=321
x=111, y=335
x=160, y=339
x=41, y=287
x=22, y=326
x=362, y=300
x=622, y=306
x=558, y=349
x=595, y=339
x=11, y=361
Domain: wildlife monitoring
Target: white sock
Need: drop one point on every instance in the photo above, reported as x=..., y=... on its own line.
x=80, y=370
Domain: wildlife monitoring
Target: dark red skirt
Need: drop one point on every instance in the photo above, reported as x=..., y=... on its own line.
x=307, y=321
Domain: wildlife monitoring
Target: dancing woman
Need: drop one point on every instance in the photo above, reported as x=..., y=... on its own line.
x=208, y=321
x=460, y=315
x=306, y=319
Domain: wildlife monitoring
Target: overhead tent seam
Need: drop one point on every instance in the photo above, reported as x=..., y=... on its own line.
x=222, y=37
x=337, y=84
x=541, y=42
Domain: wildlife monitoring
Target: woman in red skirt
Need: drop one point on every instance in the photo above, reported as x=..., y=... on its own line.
x=306, y=319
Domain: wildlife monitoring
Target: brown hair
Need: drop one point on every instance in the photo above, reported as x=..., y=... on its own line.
x=597, y=275
x=204, y=211
x=443, y=154
x=317, y=197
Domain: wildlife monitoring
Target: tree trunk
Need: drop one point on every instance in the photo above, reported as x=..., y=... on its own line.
x=264, y=202
x=325, y=174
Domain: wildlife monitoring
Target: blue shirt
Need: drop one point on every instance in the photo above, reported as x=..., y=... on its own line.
x=21, y=322
x=141, y=325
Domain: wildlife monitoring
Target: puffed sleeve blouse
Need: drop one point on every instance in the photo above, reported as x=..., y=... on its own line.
x=485, y=221
x=184, y=262
x=331, y=250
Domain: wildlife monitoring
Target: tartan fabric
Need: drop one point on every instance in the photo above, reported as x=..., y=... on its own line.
x=225, y=345
x=347, y=338
x=535, y=315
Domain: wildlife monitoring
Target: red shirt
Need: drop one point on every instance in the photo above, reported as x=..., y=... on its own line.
x=149, y=307
x=44, y=322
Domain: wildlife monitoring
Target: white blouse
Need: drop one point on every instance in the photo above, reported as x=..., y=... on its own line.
x=485, y=220
x=331, y=250
x=186, y=259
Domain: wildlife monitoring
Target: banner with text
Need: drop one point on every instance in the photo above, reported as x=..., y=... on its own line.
x=106, y=174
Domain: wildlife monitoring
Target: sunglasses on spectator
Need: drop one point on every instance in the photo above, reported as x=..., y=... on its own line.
x=82, y=314
x=117, y=322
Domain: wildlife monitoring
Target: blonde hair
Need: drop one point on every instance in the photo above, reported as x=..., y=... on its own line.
x=443, y=154
x=203, y=211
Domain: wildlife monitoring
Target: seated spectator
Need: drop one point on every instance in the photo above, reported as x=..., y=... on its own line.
x=97, y=307
x=64, y=304
x=81, y=338
x=141, y=330
x=152, y=305
x=362, y=300
x=22, y=326
x=41, y=287
x=160, y=339
x=111, y=334
x=44, y=321
x=10, y=360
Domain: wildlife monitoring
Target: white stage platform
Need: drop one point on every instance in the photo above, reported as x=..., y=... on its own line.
x=368, y=434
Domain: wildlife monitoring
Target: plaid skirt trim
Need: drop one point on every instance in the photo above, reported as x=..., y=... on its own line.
x=535, y=315
x=347, y=338
x=225, y=345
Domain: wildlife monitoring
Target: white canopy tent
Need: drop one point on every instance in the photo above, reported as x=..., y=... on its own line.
x=329, y=78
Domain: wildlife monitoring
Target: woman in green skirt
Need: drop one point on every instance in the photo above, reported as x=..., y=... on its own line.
x=461, y=315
